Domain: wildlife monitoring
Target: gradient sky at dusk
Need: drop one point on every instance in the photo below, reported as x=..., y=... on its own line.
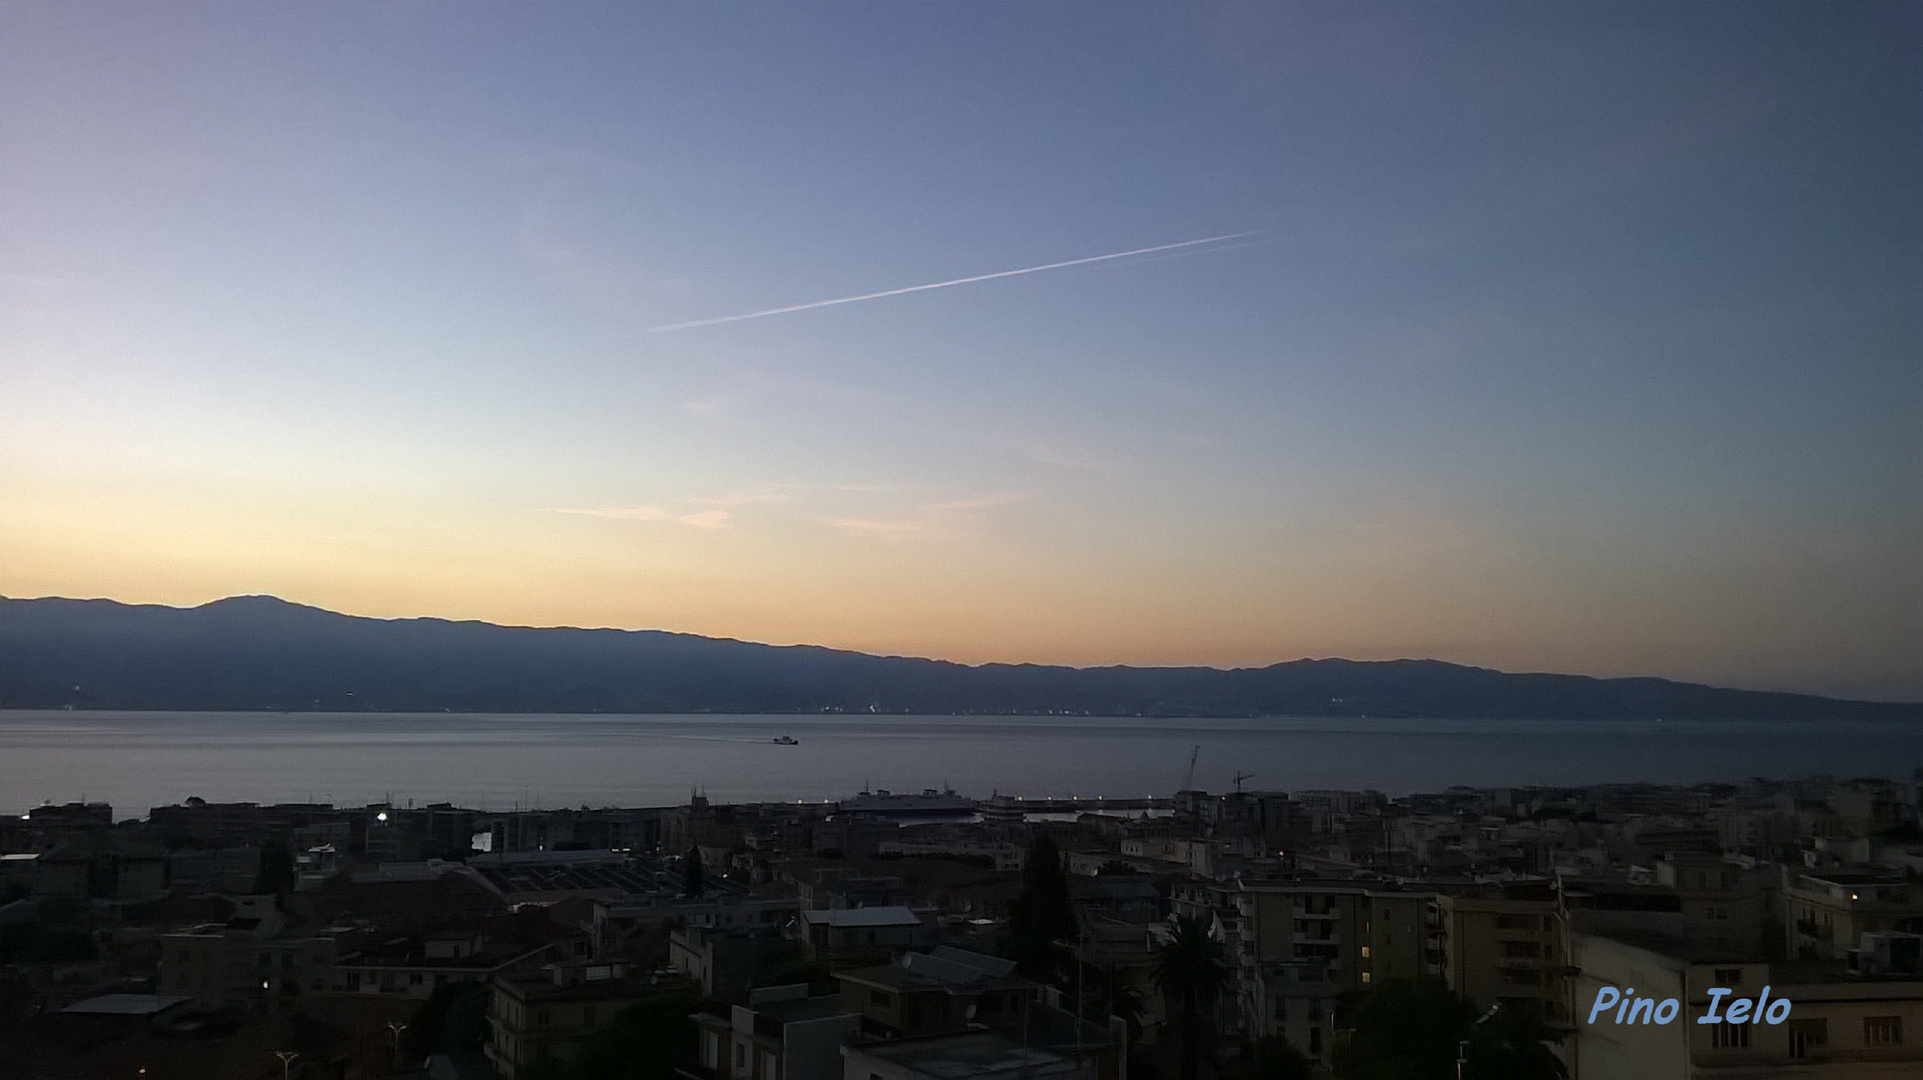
x=1575, y=337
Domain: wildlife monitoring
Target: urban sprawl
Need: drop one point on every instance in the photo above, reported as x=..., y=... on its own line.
x=1255, y=935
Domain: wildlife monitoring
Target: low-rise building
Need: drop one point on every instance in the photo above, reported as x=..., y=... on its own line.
x=417, y=966
x=854, y=930
x=534, y=1015
x=248, y=961
x=781, y=1034
x=924, y=993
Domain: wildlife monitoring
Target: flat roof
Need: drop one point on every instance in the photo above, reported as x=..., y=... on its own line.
x=868, y=916
x=970, y=1055
x=125, y=1004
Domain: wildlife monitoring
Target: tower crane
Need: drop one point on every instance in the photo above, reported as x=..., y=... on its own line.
x=1188, y=782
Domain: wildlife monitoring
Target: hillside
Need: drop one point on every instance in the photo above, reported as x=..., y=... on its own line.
x=255, y=652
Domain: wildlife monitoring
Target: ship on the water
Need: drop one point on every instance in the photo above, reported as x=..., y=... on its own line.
x=930, y=803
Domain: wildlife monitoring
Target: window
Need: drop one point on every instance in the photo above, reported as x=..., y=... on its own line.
x=741, y=1055
x=416, y=978
x=543, y=1018
x=1728, y=976
x=1522, y=978
x=1522, y=949
x=1365, y=977
x=1315, y=1043
x=1717, y=914
x=880, y=998
x=1365, y=952
x=1882, y=1031
x=1727, y=1036
x=1515, y=922
x=587, y=1016
x=1807, y=1036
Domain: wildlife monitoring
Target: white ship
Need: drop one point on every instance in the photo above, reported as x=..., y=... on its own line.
x=930, y=803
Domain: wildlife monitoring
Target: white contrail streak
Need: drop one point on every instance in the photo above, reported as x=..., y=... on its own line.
x=946, y=284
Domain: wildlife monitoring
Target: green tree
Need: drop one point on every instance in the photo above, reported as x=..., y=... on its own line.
x=1401, y=1030
x=1191, y=973
x=1274, y=1058
x=648, y=1040
x=276, y=869
x=1513, y=1045
x=1041, y=915
x=453, y=1018
x=38, y=943
x=693, y=880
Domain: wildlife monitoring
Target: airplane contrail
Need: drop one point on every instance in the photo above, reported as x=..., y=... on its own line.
x=946, y=284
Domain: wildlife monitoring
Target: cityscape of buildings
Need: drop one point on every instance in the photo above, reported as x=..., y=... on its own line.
x=871, y=937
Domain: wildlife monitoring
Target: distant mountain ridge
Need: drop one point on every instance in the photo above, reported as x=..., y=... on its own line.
x=262, y=653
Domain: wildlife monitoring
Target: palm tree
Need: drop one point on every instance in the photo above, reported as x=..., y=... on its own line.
x=1191, y=973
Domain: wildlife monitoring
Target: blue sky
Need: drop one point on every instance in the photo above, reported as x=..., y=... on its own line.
x=1580, y=337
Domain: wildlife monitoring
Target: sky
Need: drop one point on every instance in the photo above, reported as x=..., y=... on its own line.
x=1574, y=337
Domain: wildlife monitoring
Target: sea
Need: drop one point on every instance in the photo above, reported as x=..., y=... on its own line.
x=137, y=760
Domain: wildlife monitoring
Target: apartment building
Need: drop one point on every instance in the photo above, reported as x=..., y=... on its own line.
x=1828, y=911
x=1842, y=1025
x=1502, y=944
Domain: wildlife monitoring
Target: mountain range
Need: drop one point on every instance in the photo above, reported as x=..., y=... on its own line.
x=262, y=653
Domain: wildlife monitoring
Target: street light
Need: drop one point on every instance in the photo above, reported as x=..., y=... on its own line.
x=286, y=1062
x=1462, y=1048
x=395, y=1027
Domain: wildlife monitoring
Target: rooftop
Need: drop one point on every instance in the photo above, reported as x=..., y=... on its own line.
x=125, y=1004
x=971, y=1055
x=857, y=917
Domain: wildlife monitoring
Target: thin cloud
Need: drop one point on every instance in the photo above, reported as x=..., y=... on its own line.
x=948, y=284
x=618, y=513
x=705, y=519
x=870, y=527
x=926, y=518
x=745, y=498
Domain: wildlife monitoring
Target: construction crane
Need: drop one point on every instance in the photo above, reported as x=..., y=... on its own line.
x=1188, y=782
x=1239, y=777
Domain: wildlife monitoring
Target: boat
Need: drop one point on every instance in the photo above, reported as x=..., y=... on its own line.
x=930, y=803
x=787, y=740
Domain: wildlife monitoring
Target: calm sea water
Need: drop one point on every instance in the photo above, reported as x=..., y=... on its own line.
x=138, y=760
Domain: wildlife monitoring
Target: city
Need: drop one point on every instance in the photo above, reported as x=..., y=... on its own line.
x=910, y=936
x=961, y=540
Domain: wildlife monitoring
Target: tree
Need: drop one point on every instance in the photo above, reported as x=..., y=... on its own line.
x=1403, y=1030
x=1274, y=1058
x=1191, y=973
x=648, y=1040
x=1041, y=915
x=692, y=878
x=276, y=869
x=1514, y=1045
x=453, y=1018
